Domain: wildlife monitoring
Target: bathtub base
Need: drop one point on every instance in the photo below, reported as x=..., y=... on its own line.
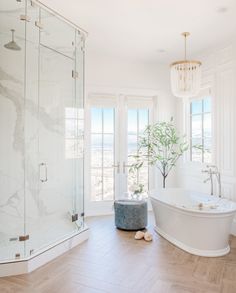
x=206, y=253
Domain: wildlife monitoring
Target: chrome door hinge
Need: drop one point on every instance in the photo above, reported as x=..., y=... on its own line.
x=75, y=74
x=17, y=255
x=74, y=218
x=13, y=239
x=39, y=24
x=23, y=237
x=24, y=17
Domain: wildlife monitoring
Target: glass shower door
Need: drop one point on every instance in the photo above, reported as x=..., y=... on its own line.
x=56, y=154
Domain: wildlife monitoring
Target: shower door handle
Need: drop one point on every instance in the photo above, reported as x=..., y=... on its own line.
x=45, y=177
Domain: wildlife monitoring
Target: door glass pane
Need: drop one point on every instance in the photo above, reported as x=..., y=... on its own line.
x=143, y=119
x=137, y=120
x=132, y=121
x=143, y=176
x=132, y=144
x=96, y=184
x=108, y=184
x=102, y=153
x=108, y=120
x=96, y=150
x=108, y=150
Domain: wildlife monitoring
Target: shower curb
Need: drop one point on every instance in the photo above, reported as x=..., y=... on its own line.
x=24, y=266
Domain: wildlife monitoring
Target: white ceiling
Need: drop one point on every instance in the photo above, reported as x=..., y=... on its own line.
x=138, y=29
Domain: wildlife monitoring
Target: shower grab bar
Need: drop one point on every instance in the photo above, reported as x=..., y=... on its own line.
x=46, y=172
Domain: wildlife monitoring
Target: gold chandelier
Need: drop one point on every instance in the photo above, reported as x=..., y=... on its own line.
x=185, y=75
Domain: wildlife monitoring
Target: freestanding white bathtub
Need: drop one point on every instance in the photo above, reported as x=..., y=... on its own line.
x=197, y=223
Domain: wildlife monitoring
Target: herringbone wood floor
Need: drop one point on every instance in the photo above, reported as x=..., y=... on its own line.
x=112, y=261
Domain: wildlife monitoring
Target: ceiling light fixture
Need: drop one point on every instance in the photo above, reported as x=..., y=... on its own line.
x=185, y=75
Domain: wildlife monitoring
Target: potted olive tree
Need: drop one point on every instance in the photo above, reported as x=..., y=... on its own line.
x=160, y=146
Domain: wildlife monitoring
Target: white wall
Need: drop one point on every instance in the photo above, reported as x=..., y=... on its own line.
x=219, y=72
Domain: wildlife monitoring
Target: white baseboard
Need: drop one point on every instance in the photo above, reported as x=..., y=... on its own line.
x=103, y=209
x=35, y=261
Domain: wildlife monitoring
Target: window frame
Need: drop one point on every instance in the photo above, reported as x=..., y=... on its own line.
x=202, y=137
x=204, y=93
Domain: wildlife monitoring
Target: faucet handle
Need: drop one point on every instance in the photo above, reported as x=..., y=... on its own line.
x=212, y=166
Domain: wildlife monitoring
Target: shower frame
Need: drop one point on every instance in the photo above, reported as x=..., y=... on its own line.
x=37, y=56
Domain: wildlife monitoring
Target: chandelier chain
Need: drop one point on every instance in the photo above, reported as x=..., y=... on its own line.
x=185, y=46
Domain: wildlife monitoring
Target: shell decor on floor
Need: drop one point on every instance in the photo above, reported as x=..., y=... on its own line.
x=139, y=235
x=148, y=236
x=143, y=235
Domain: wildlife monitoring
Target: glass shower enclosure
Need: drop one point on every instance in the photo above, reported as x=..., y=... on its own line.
x=41, y=129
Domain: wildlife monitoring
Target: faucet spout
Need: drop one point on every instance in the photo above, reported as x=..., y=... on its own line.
x=213, y=170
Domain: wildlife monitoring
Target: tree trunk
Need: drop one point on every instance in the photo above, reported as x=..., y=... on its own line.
x=164, y=182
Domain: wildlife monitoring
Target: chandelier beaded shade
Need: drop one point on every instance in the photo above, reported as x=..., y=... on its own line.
x=185, y=75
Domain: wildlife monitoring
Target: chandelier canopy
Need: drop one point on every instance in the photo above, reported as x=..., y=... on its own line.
x=185, y=75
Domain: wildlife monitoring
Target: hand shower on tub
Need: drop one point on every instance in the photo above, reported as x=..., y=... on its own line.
x=213, y=170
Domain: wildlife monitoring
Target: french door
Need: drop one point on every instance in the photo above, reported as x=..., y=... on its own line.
x=115, y=125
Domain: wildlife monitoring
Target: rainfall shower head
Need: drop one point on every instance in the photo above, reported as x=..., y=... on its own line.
x=12, y=45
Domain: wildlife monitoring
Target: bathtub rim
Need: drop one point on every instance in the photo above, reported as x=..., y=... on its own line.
x=184, y=247
x=200, y=213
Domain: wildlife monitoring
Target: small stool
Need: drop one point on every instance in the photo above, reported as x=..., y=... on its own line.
x=130, y=214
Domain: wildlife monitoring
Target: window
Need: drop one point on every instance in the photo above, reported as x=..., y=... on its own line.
x=200, y=130
x=74, y=121
x=102, y=154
